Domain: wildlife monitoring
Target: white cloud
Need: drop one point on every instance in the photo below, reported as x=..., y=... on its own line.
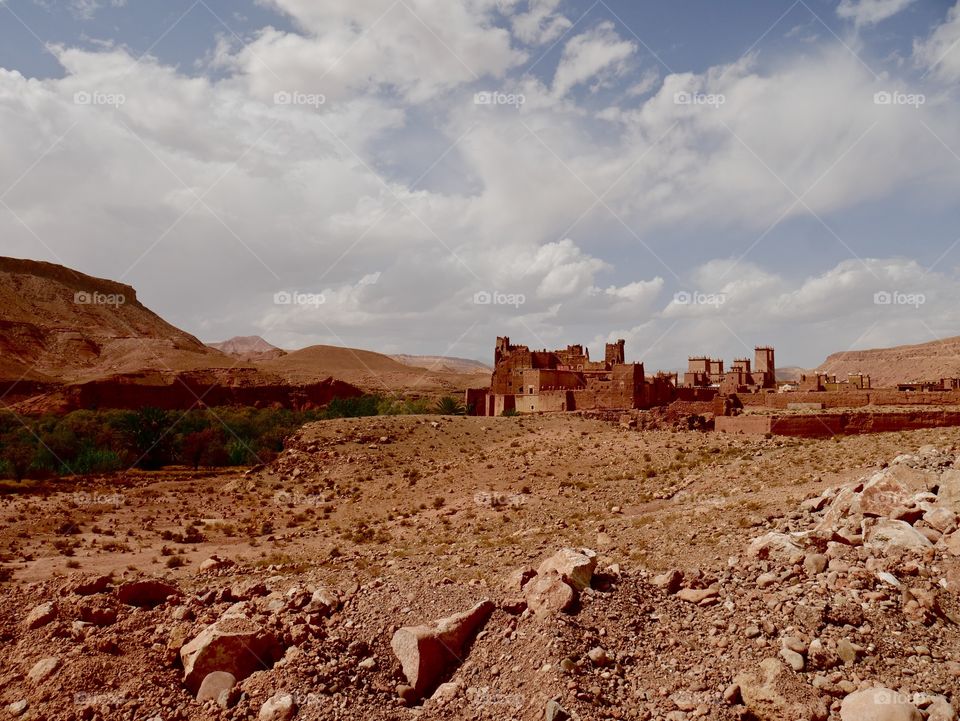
x=871, y=12
x=940, y=52
x=320, y=198
x=587, y=55
x=541, y=23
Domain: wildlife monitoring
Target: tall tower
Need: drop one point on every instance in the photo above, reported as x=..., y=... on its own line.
x=764, y=363
x=502, y=348
x=614, y=354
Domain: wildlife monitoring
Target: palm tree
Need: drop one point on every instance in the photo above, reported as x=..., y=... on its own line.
x=450, y=406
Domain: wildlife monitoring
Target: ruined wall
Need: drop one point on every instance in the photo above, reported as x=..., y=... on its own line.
x=750, y=425
x=853, y=398
x=824, y=425
x=476, y=401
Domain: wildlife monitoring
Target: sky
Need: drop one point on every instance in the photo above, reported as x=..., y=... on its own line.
x=421, y=176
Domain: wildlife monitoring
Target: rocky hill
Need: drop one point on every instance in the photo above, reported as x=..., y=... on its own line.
x=57, y=324
x=248, y=348
x=900, y=364
x=374, y=372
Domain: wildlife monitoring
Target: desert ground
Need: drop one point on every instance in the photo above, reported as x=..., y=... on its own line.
x=120, y=588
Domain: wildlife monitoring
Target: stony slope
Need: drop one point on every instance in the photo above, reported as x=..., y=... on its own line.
x=743, y=579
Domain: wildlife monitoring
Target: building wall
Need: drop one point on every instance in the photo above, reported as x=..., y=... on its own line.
x=853, y=398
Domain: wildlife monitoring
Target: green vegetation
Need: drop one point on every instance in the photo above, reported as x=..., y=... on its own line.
x=85, y=442
x=450, y=406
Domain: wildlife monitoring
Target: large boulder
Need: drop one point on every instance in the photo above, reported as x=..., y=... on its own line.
x=772, y=693
x=949, y=491
x=886, y=532
x=233, y=643
x=427, y=652
x=548, y=594
x=146, y=593
x=573, y=565
x=889, y=489
x=841, y=506
x=878, y=704
x=777, y=546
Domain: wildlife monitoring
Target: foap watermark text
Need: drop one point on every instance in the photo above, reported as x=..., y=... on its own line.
x=896, y=297
x=486, y=297
x=696, y=297
x=293, y=297
x=83, y=297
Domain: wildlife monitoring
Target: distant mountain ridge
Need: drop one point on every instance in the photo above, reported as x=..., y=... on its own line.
x=899, y=364
x=443, y=363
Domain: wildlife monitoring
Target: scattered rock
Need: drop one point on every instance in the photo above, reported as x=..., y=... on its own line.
x=234, y=644
x=548, y=594
x=18, y=708
x=878, y=704
x=426, y=652
x=217, y=686
x=145, y=593
x=575, y=566
x=279, y=707
x=556, y=712
x=41, y=615
x=671, y=581
x=772, y=693
x=43, y=669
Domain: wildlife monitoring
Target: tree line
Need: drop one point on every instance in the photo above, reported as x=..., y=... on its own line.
x=103, y=441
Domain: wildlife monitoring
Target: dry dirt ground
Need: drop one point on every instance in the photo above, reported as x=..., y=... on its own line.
x=367, y=525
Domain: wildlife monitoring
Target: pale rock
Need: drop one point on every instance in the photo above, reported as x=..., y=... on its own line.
x=793, y=659
x=599, y=656
x=279, y=707
x=671, y=581
x=426, y=652
x=697, y=595
x=549, y=594
x=41, y=615
x=814, y=564
x=772, y=693
x=878, y=704
x=898, y=534
x=949, y=492
x=233, y=643
x=777, y=546
x=940, y=710
x=43, y=669
x=556, y=712
x=217, y=686
x=445, y=692
x=575, y=566
x=943, y=519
